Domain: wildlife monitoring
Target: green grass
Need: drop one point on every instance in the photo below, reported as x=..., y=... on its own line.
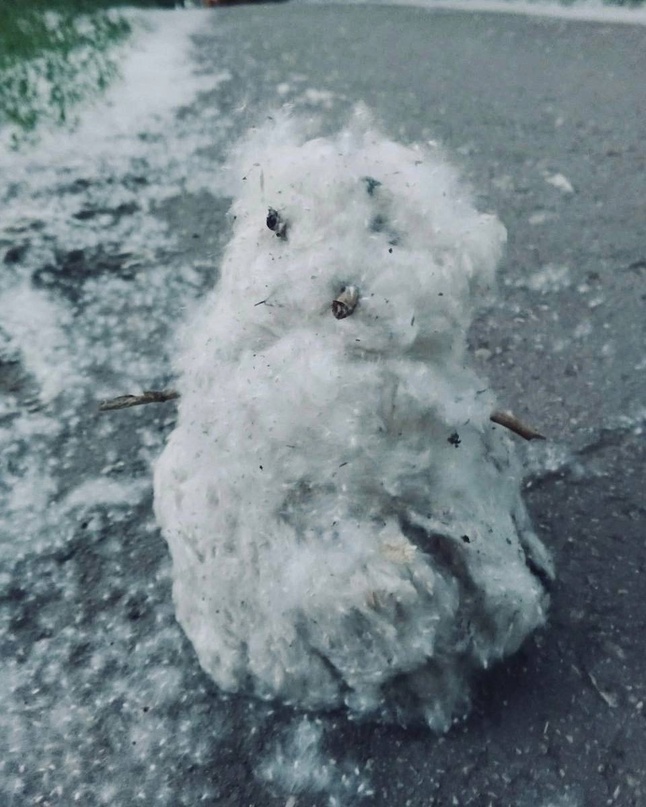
x=53, y=55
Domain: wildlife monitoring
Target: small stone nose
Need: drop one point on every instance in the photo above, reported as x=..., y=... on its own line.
x=344, y=304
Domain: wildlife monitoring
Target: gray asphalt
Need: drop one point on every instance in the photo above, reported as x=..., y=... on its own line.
x=516, y=101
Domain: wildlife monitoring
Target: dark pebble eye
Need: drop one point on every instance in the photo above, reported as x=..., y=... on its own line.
x=272, y=219
x=371, y=185
x=276, y=223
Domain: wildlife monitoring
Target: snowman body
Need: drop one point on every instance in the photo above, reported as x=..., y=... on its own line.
x=344, y=521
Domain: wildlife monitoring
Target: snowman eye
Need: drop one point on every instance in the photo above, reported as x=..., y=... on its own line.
x=344, y=304
x=276, y=223
x=371, y=185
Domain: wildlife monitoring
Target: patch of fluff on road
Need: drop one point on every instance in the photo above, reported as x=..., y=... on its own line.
x=345, y=523
x=298, y=763
x=84, y=263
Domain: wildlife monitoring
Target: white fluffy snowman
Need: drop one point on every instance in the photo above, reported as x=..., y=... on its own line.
x=345, y=522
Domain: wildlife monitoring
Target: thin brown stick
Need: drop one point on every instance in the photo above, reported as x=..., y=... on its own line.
x=512, y=423
x=147, y=397
x=505, y=419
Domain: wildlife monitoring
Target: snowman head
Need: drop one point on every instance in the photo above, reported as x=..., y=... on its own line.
x=356, y=224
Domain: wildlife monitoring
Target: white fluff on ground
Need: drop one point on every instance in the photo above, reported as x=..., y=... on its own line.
x=345, y=523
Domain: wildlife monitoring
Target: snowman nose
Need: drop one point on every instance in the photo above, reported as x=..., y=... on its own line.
x=344, y=304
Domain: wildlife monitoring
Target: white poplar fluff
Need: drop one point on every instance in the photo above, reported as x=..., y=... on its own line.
x=345, y=523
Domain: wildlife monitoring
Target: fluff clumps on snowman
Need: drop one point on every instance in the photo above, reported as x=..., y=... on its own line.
x=345, y=522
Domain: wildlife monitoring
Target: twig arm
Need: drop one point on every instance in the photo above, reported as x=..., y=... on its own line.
x=505, y=419
x=146, y=397
x=512, y=423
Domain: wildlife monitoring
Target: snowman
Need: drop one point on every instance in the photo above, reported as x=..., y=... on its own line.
x=344, y=520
